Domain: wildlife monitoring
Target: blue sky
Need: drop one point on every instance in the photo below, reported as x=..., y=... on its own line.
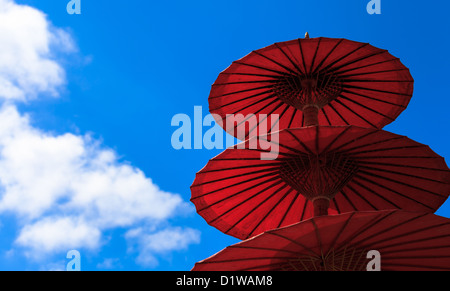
x=114, y=78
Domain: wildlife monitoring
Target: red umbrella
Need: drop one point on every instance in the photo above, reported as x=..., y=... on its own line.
x=319, y=81
x=406, y=241
x=342, y=169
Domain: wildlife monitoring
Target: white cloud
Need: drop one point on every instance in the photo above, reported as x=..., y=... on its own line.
x=44, y=178
x=28, y=45
x=58, y=234
x=109, y=264
x=151, y=244
x=66, y=190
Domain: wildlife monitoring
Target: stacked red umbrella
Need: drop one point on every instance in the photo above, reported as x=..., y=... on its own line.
x=332, y=97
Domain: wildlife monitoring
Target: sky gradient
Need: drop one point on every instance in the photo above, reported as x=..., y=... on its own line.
x=87, y=103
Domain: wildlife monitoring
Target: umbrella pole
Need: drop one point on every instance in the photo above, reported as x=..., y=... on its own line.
x=311, y=115
x=321, y=206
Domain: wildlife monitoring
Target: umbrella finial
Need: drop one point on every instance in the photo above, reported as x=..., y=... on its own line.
x=307, y=35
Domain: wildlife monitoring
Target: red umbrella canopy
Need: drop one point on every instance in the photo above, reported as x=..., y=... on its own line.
x=406, y=241
x=314, y=171
x=319, y=81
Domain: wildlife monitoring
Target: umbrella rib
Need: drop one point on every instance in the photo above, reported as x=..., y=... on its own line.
x=368, y=144
x=337, y=68
x=327, y=56
x=275, y=62
x=240, y=203
x=295, y=150
x=361, y=266
x=289, y=207
x=344, y=226
x=279, y=118
x=389, y=149
x=342, y=192
x=317, y=139
x=268, y=212
x=334, y=203
x=360, y=196
x=271, y=96
x=245, y=82
x=251, y=74
x=237, y=168
x=403, y=235
x=403, y=174
x=354, y=112
x=319, y=239
x=288, y=192
x=274, y=171
x=315, y=55
x=325, y=114
x=272, y=266
x=351, y=76
x=247, y=98
x=421, y=267
x=305, y=206
x=372, y=131
x=391, y=190
x=363, y=229
x=386, y=229
x=379, y=91
x=235, y=127
x=241, y=91
x=421, y=248
x=329, y=67
x=236, y=194
x=267, y=115
x=345, y=90
x=342, y=133
x=289, y=59
x=366, y=107
x=300, y=142
x=376, y=194
x=341, y=74
x=295, y=242
x=401, y=183
x=261, y=68
x=398, y=157
x=303, y=57
x=403, y=166
x=278, y=250
x=293, y=116
x=332, y=107
x=369, y=65
x=240, y=183
x=247, y=259
x=371, y=81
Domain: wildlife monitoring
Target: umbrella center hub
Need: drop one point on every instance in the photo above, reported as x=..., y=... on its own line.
x=318, y=176
x=300, y=91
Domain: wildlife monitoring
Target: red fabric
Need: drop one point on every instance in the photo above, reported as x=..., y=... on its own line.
x=353, y=83
x=406, y=241
x=242, y=195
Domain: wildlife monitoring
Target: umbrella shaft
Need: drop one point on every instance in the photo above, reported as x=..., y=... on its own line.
x=311, y=115
x=321, y=206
